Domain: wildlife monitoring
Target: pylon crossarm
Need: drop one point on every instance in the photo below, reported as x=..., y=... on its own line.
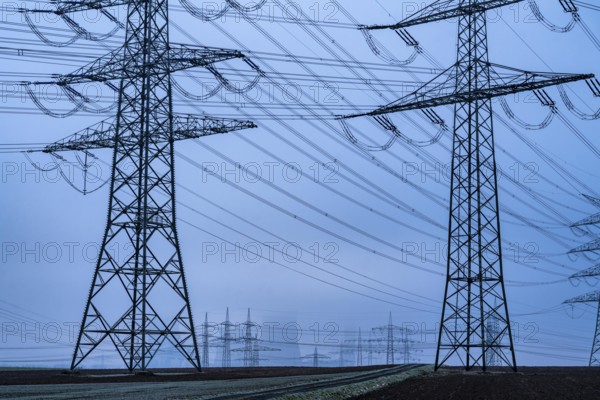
x=591, y=297
x=594, y=245
x=587, y=273
x=186, y=56
x=98, y=136
x=191, y=127
x=103, y=134
x=446, y=9
x=442, y=90
x=114, y=66
x=594, y=200
x=591, y=220
x=64, y=7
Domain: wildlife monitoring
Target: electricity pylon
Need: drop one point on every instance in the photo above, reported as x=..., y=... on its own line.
x=252, y=347
x=390, y=338
x=227, y=338
x=359, y=349
x=475, y=280
x=205, y=342
x=152, y=302
x=250, y=353
x=315, y=357
x=593, y=297
x=592, y=272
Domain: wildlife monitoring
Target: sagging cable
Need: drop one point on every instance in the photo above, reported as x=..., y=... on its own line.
x=78, y=105
x=554, y=28
x=84, y=33
x=354, y=140
x=244, y=9
x=518, y=121
x=200, y=13
x=195, y=97
x=571, y=107
x=385, y=55
x=387, y=124
x=45, y=39
x=233, y=88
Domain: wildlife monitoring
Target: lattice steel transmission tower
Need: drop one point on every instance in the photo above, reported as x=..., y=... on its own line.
x=205, y=342
x=592, y=272
x=315, y=357
x=252, y=343
x=593, y=297
x=142, y=300
x=390, y=339
x=359, y=349
x=227, y=338
x=475, y=280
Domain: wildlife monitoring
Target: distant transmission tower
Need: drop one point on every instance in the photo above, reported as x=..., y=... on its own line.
x=359, y=349
x=250, y=354
x=252, y=347
x=205, y=342
x=475, y=279
x=315, y=357
x=141, y=208
x=370, y=349
x=227, y=338
x=491, y=330
x=390, y=338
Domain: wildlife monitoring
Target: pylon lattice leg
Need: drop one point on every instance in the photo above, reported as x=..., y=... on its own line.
x=595, y=356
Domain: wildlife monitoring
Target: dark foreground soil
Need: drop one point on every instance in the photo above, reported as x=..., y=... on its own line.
x=53, y=376
x=548, y=383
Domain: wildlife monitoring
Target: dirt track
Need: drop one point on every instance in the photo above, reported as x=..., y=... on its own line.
x=297, y=380
x=53, y=376
x=558, y=383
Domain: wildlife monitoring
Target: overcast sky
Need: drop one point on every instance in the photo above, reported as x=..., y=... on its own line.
x=351, y=255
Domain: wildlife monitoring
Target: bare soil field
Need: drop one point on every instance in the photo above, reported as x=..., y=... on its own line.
x=409, y=382
x=548, y=383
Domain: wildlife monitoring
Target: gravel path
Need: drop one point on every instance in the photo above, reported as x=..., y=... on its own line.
x=172, y=390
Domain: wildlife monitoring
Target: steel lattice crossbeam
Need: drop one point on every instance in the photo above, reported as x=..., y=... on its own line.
x=117, y=64
x=443, y=90
x=587, y=273
x=103, y=134
x=594, y=245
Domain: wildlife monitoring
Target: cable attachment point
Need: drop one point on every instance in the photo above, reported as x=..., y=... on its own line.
x=594, y=86
x=433, y=117
x=544, y=98
x=407, y=38
x=568, y=6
